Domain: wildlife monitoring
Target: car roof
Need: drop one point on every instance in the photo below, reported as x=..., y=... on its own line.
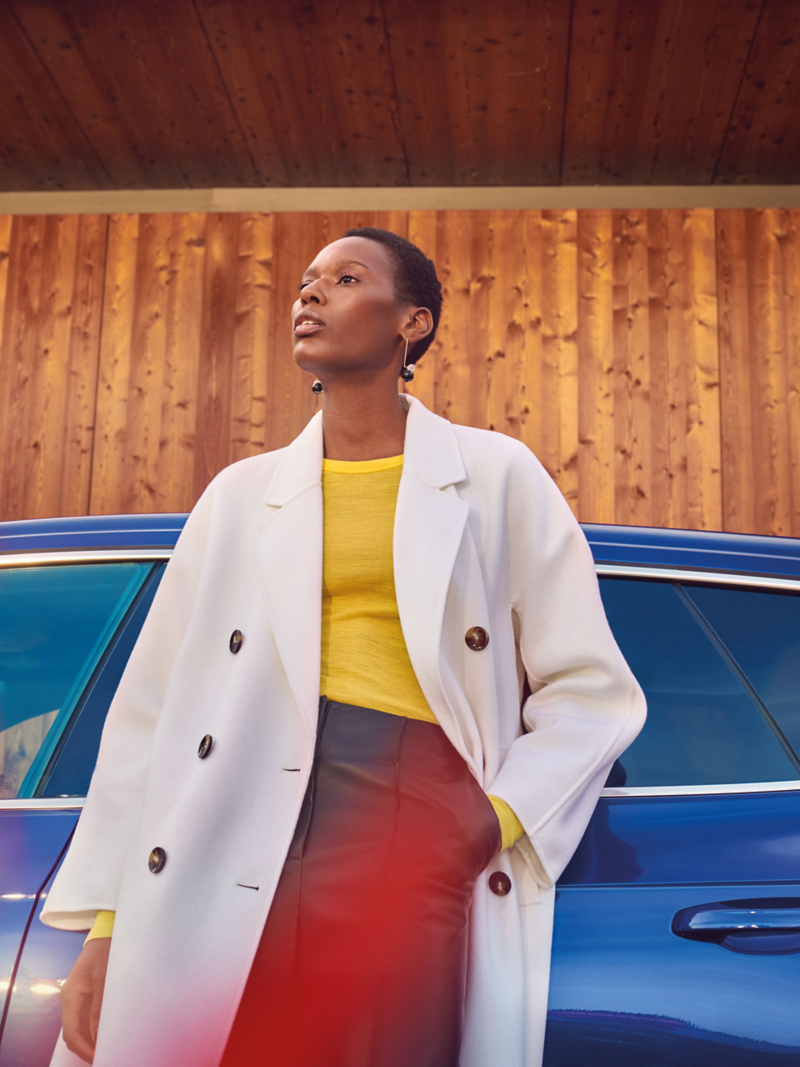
x=621, y=545
x=91, y=531
x=695, y=549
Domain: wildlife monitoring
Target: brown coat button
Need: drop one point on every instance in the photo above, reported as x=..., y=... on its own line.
x=500, y=883
x=158, y=858
x=204, y=747
x=235, y=642
x=477, y=638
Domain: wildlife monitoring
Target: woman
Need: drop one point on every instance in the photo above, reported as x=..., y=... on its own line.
x=329, y=838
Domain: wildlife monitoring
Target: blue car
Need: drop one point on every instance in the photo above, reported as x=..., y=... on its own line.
x=677, y=931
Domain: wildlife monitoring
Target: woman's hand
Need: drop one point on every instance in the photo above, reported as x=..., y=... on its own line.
x=82, y=998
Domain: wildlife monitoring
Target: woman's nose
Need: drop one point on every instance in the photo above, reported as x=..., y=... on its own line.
x=311, y=293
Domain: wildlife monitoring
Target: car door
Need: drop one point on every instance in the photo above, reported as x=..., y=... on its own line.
x=677, y=931
x=67, y=625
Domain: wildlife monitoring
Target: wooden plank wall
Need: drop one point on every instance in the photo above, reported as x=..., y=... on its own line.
x=650, y=358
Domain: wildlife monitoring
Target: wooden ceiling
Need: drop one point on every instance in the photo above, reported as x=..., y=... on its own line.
x=105, y=94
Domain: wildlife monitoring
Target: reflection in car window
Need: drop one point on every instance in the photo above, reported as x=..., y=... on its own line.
x=702, y=727
x=761, y=630
x=54, y=625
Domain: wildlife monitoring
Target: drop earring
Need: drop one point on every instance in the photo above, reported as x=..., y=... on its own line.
x=316, y=386
x=407, y=373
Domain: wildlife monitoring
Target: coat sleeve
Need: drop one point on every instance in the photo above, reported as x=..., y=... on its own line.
x=586, y=706
x=90, y=876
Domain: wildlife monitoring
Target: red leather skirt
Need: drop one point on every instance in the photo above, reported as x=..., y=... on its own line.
x=362, y=962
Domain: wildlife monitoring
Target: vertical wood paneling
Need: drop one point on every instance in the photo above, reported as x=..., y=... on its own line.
x=559, y=398
x=254, y=314
x=738, y=461
x=791, y=256
x=596, y=469
x=81, y=317
x=651, y=359
x=175, y=487
x=631, y=368
x=108, y=461
x=700, y=348
x=768, y=382
x=759, y=369
x=48, y=364
x=132, y=364
x=5, y=263
x=454, y=265
x=217, y=323
x=505, y=323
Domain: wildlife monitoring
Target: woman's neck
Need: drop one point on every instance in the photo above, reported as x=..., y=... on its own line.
x=362, y=424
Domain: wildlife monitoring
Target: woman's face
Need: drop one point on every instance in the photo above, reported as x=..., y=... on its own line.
x=347, y=317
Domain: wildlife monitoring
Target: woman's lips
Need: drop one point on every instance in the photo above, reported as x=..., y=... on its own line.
x=303, y=329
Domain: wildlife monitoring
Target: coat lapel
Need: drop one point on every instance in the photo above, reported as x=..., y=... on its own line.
x=290, y=555
x=428, y=530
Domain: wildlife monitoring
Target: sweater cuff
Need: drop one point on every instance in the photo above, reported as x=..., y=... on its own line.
x=512, y=829
x=103, y=925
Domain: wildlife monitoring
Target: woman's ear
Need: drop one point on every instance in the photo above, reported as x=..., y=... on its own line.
x=419, y=325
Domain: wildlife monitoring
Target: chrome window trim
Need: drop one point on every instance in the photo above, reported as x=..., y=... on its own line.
x=42, y=804
x=701, y=790
x=84, y=555
x=679, y=574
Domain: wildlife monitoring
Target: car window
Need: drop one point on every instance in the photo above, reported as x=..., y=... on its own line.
x=55, y=622
x=761, y=630
x=702, y=727
x=72, y=764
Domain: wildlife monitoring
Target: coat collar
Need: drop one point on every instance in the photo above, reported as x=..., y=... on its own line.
x=430, y=454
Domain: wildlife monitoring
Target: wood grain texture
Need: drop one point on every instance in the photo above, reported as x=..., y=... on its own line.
x=762, y=142
x=596, y=336
x=254, y=315
x=480, y=89
x=688, y=452
x=42, y=143
x=758, y=262
x=559, y=397
x=633, y=503
x=199, y=93
x=144, y=87
x=651, y=359
x=651, y=87
x=54, y=275
x=184, y=363
x=790, y=248
x=311, y=83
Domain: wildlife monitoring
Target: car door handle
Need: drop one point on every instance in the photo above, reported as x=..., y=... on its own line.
x=768, y=926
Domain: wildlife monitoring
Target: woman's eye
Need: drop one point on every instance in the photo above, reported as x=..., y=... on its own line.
x=348, y=278
x=302, y=286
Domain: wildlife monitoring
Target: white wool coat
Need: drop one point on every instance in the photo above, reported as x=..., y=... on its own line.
x=482, y=537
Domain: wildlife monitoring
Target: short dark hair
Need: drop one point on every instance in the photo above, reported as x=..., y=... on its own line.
x=415, y=278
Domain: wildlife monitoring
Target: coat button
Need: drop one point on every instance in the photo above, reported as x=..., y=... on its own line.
x=500, y=883
x=235, y=642
x=158, y=858
x=477, y=638
x=204, y=747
